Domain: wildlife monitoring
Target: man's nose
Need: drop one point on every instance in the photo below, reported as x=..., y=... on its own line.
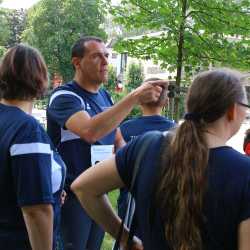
x=104, y=60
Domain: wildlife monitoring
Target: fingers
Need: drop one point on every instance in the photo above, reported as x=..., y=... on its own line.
x=149, y=93
x=63, y=197
x=161, y=83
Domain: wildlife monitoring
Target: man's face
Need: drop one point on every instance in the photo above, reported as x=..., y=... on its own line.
x=94, y=64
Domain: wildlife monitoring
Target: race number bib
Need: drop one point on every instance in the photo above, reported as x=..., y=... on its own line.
x=100, y=153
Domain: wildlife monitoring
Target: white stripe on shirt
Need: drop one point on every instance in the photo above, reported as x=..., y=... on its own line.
x=56, y=174
x=67, y=135
x=30, y=148
x=64, y=92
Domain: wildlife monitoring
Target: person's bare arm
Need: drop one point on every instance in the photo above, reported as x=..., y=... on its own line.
x=93, y=128
x=39, y=223
x=119, y=140
x=91, y=188
x=244, y=235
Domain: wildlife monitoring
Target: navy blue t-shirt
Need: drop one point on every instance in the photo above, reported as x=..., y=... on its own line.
x=143, y=124
x=31, y=173
x=226, y=201
x=64, y=102
x=133, y=128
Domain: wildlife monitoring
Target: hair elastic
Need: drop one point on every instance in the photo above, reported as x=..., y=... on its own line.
x=192, y=116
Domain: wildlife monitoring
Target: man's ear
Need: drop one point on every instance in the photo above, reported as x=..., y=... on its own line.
x=76, y=62
x=231, y=113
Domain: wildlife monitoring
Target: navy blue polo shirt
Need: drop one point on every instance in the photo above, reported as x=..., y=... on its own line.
x=64, y=102
x=143, y=124
x=226, y=201
x=31, y=173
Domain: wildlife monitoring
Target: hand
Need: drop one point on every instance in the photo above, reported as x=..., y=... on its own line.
x=63, y=197
x=150, y=91
x=136, y=244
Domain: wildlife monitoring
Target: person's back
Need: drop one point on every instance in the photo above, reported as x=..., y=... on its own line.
x=18, y=127
x=140, y=125
x=31, y=172
x=225, y=200
x=11, y=218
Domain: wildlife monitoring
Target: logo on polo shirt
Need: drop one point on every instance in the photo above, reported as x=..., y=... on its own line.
x=88, y=106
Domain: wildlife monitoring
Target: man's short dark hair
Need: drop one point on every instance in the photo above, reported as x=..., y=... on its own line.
x=78, y=49
x=23, y=74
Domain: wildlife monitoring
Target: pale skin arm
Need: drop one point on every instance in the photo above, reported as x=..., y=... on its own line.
x=119, y=140
x=244, y=235
x=39, y=223
x=93, y=128
x=90, y=188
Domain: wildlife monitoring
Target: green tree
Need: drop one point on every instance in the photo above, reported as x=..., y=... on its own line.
x=16, y=21
x=4, y=29
x=134, y=76
x=54, y=25
x=12, y=24
x=111, y=84
x=190, y=32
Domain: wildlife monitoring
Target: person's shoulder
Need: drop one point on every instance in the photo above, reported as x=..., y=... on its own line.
x=26, y=126
x=151, y=136
x=104, y=90
x=68, y=91
x=69, y=86
x=129, y=121
x=105, y=93
x=32, y=124
x=168, y=120
x=235, y=160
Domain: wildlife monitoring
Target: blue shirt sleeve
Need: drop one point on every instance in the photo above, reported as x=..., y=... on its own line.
x=124, y=130
x=31, y=165
x=62, y=107
x=125, y=159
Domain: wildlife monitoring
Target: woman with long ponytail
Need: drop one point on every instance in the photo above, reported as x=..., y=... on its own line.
x=192, y=191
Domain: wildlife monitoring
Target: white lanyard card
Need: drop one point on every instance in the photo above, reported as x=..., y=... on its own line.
x=100, y=153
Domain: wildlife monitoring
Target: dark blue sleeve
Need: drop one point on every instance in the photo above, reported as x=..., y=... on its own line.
x=126, y=156
x=125, y=159
x=245, y=206
x=31, y=165
x=62, y=107
x=124, y=131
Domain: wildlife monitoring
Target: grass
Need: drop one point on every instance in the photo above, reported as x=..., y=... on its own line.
x=108, y=240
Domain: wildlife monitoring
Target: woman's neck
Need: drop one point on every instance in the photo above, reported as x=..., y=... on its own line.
x=215, y=140
x=26, y=106
x=218, y=133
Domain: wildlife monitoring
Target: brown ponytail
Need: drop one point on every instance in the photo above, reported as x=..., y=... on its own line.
x=185, y=161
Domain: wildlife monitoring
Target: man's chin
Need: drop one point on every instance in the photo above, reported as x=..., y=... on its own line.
x=105, y=80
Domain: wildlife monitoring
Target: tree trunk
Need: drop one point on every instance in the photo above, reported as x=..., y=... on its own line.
x=180, y=56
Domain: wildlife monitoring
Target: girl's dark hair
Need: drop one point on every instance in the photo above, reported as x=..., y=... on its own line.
x=184, y=162
x=23, y=74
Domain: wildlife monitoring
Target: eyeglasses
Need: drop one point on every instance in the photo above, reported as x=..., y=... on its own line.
x=244, y=105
